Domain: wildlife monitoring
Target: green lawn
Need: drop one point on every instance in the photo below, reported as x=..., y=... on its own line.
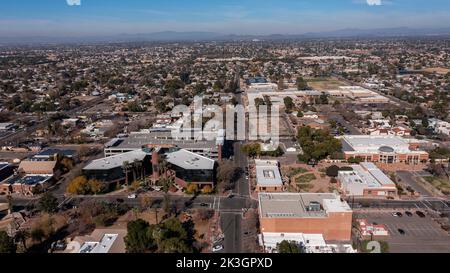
x=305, y=179
x=295, y=171
x=440, y=183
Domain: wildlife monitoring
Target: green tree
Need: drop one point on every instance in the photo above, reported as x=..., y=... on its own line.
x=48, y=203
x=302, y=84
x=138, y=239
x=289, y=104
x=37, y=235
x=7, y=245
x=332, y=171
x=252, y=150
x=288, y=247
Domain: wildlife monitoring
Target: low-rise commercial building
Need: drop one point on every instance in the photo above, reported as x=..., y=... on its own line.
x=165, y=139
x=382, y=149
x=307, y=243
x=111, y=169
x=191, y=168
x=268, y=177
x=308, y=213
x=367, y=180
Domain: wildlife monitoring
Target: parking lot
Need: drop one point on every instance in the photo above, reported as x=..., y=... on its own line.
x=410, y=234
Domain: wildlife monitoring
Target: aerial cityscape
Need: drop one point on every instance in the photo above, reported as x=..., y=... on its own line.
x=224, y=128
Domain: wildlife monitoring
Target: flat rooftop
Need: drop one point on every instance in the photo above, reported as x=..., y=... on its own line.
x=139, y=140
x=29, y=180
x=369, y=174
x=268, y=173
x=54, y=151
x=297, y=205
x=190, y=161
x=375, y=144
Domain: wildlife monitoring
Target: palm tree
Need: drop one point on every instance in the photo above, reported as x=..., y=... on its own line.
x=163, y=165
x=139, y=168
x=126, y=168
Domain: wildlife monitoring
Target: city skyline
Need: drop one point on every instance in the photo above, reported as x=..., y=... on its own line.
x=69, y=18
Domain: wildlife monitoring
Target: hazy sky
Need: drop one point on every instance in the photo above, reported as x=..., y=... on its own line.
x=105, y=17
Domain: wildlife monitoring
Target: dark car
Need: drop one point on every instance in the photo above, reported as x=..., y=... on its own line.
x=409, y=214
x=401, y=231
x=204, y=205
x=120, y=200
x=420, y=214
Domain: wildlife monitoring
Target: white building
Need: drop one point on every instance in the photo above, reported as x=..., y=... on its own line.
x=383, y=149
x=268, y=177
x=366, y=179
x=309, y=243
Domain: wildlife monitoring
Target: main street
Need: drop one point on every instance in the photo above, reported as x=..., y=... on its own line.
x=231, y=221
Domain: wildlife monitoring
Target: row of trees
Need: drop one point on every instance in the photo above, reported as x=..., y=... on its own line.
x=170, y=236
x=254, y=150
x=82, y=186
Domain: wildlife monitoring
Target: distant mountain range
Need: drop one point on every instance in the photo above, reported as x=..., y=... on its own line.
x=172, y=36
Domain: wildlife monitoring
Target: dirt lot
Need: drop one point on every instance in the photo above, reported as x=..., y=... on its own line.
x=304, y=178
x=325, y=84
x=422, y=235
x=438, y=70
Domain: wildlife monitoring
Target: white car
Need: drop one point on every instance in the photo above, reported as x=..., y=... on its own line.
x=217, y=248
x=132, y=196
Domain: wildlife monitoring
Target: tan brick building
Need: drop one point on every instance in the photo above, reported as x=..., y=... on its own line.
x=308, y=213
x=383, y=149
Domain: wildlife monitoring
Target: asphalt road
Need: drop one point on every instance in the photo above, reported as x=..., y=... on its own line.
x=231, y=224
x=242, y=185
x=235, y=204
x=409, y=179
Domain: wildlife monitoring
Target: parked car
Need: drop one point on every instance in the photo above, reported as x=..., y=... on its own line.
x=397, y=214
x=217, y=248
x=420, y=214
x=409, y=214
x=401, y=231
x=132, y=196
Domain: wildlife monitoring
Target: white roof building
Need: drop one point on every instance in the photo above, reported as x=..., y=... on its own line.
x=190, y=161
x=268, y=174
x=386, y=149
x=116, y=161
x=366, y=179
x=311, y=243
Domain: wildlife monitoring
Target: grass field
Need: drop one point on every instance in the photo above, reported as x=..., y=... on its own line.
x=323, y=84
x=305, y=179
x=440, y=183
x=295, y=171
